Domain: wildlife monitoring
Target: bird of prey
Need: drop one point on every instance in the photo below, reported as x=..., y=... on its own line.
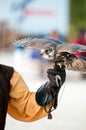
x=54, y=51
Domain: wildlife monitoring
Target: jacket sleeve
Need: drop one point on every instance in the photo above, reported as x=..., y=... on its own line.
x=22, y=105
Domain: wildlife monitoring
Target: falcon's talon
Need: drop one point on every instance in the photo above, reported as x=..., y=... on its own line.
x=58, y=80
x=60, y=65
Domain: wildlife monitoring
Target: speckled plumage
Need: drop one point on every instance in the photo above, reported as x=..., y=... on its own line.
x=55, y=51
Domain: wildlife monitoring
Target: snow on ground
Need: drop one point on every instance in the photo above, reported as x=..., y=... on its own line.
x=70, y=114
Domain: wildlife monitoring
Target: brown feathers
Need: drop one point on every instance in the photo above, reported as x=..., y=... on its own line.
x=54, y=51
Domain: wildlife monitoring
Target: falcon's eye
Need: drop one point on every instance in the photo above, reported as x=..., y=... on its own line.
x=49, y=50
x=46, y=51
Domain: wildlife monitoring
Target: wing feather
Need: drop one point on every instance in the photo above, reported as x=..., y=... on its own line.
x=76, y=65
x=37, y=43
x=71, y=48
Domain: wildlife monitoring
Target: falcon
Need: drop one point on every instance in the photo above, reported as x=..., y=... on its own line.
x=56, y=52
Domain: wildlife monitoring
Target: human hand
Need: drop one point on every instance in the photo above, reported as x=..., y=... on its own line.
x=56, y=77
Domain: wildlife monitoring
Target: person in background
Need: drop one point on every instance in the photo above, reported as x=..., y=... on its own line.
x=80, y=39
x=20, y=102
x=57, y=36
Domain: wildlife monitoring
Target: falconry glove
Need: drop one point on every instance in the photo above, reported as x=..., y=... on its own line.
x=48, y=93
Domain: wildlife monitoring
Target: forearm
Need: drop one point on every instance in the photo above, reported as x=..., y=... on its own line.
x=22, y=105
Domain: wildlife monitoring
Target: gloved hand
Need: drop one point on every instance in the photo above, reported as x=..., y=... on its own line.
x=48, y=92
x=57, y=78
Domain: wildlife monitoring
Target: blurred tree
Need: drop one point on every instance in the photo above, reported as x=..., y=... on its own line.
x=77, y=16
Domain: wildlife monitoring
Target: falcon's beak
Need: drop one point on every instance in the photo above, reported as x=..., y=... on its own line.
x=42, y=52
x=44, y=55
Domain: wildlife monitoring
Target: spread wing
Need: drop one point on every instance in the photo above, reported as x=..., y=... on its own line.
x=37, y=43
x=40, y=43
x=72, y=62
x=76, y=65
x=71, y=48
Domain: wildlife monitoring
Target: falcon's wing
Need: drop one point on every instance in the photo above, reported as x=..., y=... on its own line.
x=41, y=43
x=76, y=65
x=71, y=61
x=21, y=42
x=37, y=43
x=71, y=48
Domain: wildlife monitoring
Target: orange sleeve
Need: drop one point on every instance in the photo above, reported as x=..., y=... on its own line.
x=22, y=105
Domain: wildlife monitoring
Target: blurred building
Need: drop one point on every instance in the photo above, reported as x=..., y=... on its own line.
x=6, y=35
x=36, y=16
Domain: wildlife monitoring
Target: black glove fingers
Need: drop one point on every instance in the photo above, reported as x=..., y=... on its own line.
x=59, y=67
x=52, y=72
x=63, y=76
x=51, y=78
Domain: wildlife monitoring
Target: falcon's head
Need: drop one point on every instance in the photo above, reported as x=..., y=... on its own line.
x=48, y=53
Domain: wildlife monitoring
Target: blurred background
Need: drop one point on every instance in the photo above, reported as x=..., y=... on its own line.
x=63, y=20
